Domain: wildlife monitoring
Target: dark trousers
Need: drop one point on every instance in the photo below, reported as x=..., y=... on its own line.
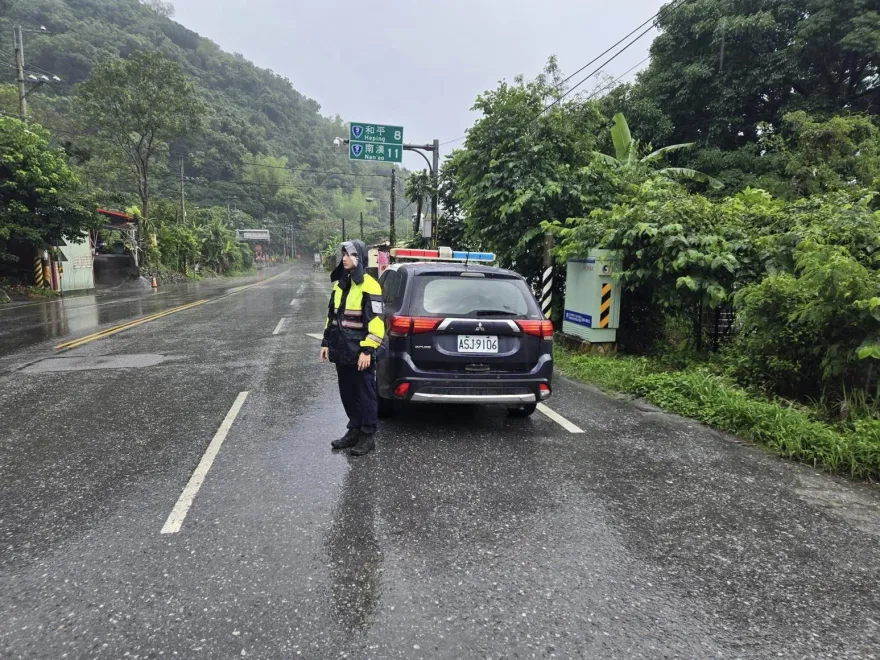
x=357, y=389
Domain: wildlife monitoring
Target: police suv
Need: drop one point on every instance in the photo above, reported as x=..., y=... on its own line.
x=459, y=331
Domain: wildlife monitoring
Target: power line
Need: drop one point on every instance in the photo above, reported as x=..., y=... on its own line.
x=307, y=170
x=34, y=66
x=675, y=4
x=591, y=96
x=593, y=73
x=610, y=48
x=668, y=8
x=458, y=139
x=616, y=80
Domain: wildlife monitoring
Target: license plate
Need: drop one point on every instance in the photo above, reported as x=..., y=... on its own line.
x=477, y=344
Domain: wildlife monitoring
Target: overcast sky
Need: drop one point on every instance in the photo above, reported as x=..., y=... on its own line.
x=416, y=63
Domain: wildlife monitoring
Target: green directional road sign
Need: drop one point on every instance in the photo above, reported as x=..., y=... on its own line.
x=375, y=133
x=375, y=142
x=388, y=153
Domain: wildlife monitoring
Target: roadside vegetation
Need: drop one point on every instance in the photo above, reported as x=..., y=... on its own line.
x=796, y=431
x=737, y=179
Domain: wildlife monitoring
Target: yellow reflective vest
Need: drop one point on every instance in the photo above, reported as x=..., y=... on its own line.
x=354, y=320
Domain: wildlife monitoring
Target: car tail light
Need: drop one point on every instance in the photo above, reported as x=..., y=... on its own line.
x=403, y=326
x=542, y=329
x=422, y=325
x=401, y=390
x=544, y=391
x=399, y=326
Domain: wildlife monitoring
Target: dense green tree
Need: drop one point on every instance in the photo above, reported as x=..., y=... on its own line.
x=40, y=201
x=268, y=176
x=823, y=156
x=719, y=68
x=138, y=105
x=522, y=165
x=452, y=230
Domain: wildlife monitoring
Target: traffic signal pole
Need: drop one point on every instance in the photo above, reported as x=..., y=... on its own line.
x=434, y=201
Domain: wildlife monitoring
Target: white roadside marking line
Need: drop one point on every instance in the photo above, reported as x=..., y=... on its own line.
x=280, y=326
x=178, y=513
x=294, y=302
x=314, y=335
x=559, y=419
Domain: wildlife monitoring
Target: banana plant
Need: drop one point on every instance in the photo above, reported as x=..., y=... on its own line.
x=626, y=150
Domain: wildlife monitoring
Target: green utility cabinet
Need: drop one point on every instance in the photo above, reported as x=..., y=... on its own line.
x=592, y=297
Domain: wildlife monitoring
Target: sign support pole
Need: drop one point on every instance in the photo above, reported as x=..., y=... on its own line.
x=391, y=236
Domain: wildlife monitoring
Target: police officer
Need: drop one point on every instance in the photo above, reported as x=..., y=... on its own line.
x=352, y=334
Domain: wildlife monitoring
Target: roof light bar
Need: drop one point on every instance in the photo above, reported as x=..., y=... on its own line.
x=473, y=256
x=441, y=254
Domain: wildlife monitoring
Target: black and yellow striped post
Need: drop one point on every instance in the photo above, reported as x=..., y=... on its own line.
x=39, y=282
x=605, y=306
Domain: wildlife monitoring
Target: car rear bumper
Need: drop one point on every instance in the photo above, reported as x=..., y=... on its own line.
x=502, y=399
x=501, y=388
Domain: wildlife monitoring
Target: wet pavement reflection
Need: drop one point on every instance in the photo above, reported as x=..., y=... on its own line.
x=26, y=324
x=354, y=552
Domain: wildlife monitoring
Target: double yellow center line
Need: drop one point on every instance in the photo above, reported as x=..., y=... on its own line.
x=76, y=343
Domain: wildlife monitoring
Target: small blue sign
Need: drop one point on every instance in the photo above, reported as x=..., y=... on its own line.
x=356, y=150
x=581, y=319
x=356, y=131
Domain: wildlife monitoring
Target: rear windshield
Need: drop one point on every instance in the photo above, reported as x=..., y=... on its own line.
x=445, y=295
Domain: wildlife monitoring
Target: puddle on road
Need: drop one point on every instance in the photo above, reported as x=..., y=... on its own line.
x=91, y=362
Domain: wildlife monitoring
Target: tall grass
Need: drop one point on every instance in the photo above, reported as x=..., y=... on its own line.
x=851, y=448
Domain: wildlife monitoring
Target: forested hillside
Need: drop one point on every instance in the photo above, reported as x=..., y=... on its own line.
x=262, y=147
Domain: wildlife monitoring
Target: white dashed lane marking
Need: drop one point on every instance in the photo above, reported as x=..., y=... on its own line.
x=184, y=502
x=559, y=419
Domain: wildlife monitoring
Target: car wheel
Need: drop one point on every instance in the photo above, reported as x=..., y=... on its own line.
x=523, y=411
x=386, y=407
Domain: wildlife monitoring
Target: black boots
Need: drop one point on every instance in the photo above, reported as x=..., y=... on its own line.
x=359, y=442
x=350, y=439
x=365, y=444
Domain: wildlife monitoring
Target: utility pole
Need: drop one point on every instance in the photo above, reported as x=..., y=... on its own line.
x=19, y=68
x=391, y=237
x=23, y=93
x=434, y=200
x=343, y=230
x=182, y=195
x=362, y=225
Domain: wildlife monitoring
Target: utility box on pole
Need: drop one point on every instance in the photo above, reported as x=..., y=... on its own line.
x=592, y=297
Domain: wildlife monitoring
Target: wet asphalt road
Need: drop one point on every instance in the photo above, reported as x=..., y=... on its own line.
x=465, y=535
x=27, y=324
